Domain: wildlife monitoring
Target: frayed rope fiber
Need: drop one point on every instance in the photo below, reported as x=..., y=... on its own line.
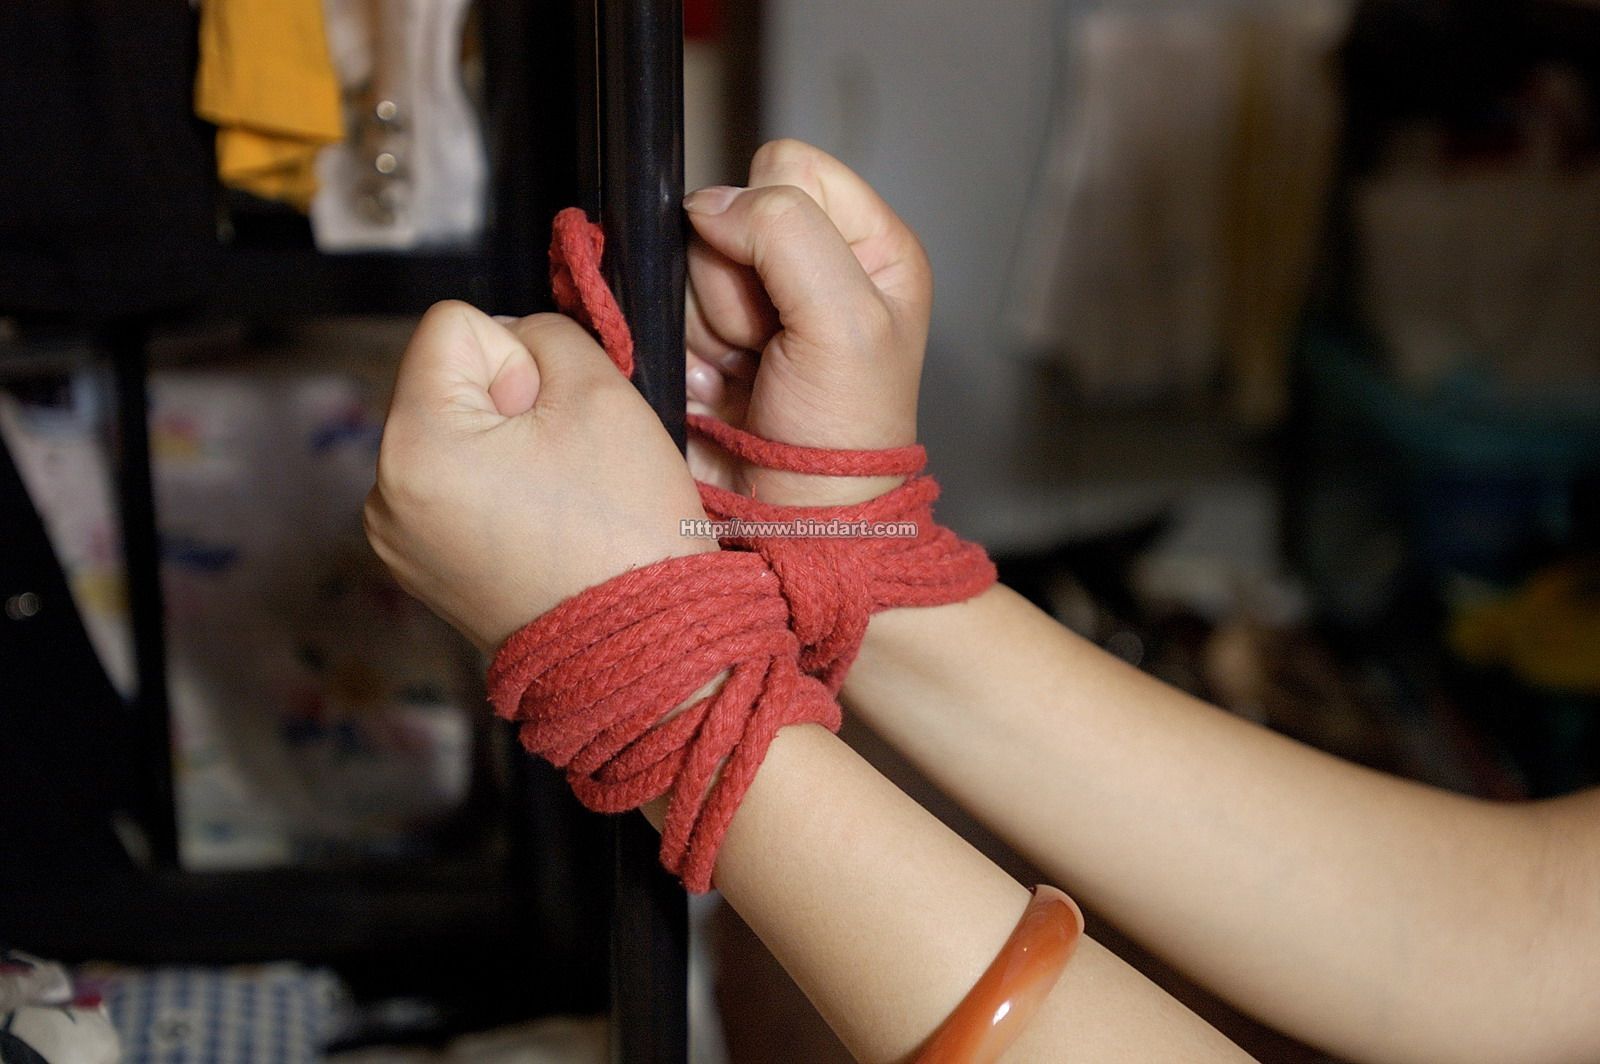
x=595, y=682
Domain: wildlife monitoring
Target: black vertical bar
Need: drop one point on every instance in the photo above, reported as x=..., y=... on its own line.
x=640, y=50
x=586, y=87
x=641, y=180
x=142, y=558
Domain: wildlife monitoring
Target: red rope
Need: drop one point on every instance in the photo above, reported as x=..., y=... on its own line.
x=834, y=585
x=580, y=288
x=594, y=683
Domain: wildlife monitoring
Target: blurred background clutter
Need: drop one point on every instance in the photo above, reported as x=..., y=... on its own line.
x=1266, y=353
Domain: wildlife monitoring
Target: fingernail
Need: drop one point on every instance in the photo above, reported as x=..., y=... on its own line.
x=506, y=319
x=702, y=384
x=713, y=200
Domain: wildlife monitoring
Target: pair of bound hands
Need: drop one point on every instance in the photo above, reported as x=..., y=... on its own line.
x=519, y=468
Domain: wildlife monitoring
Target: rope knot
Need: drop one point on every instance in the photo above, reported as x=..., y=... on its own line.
x=828, y=586
x=607, y=685
x=834, y=585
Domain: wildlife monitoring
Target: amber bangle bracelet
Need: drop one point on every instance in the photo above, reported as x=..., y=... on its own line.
x=999, y=1006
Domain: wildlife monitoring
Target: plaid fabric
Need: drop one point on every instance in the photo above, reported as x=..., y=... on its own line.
x=272, y=1014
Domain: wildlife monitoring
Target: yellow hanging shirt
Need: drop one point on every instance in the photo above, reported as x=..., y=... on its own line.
x=266, y=81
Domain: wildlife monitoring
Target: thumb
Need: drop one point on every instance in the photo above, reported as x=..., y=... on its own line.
x=821, y=292
x=568, y=358
x=461, y=360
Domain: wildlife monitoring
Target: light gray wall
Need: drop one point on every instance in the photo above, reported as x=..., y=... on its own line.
x=942, y=106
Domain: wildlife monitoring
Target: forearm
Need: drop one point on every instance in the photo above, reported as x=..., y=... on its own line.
x=1370, y=915
x=885, y=918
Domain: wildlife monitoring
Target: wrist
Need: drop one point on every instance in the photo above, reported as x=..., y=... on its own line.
x=655, y=810
x=598, y=687
x=491, y=623
x=908, y=647
x=806, y=489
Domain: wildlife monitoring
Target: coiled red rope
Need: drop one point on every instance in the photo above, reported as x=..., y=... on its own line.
x=768, y=627
x=594, y=683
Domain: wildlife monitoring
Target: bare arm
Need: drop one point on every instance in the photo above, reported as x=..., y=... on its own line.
x=883, y=915
x=885, y=918
x=1377, y=917
x=1382, y=919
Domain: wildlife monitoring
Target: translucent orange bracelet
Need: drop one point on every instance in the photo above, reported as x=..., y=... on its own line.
x=1006, y=996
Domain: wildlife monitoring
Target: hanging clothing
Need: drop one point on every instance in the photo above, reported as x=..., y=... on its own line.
x=1174, y=223
x=267, y=83
x=413, y=171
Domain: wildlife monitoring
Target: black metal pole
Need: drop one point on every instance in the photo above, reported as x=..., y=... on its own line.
x=641, y=182
x=142, y=560
x=586, y=87
x=640, y=52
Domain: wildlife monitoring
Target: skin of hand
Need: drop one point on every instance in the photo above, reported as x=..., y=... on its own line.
x=1382, y=920
x=517, y=469
x=1344, y=907
x=807, y=319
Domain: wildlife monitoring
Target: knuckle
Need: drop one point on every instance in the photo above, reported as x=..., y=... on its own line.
x=399, y=481
x=388, y=460
x=785, y=156
x=780, y=207
x=548, y=335
x=603, y=409
x=611, y=400
x=441, y=328
x=376, y=524
x=446, y=306
x=919, y=264
x=389, y=486
x=446, y=312
x=539, y=330
x=876, y=324
x=370, y=519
